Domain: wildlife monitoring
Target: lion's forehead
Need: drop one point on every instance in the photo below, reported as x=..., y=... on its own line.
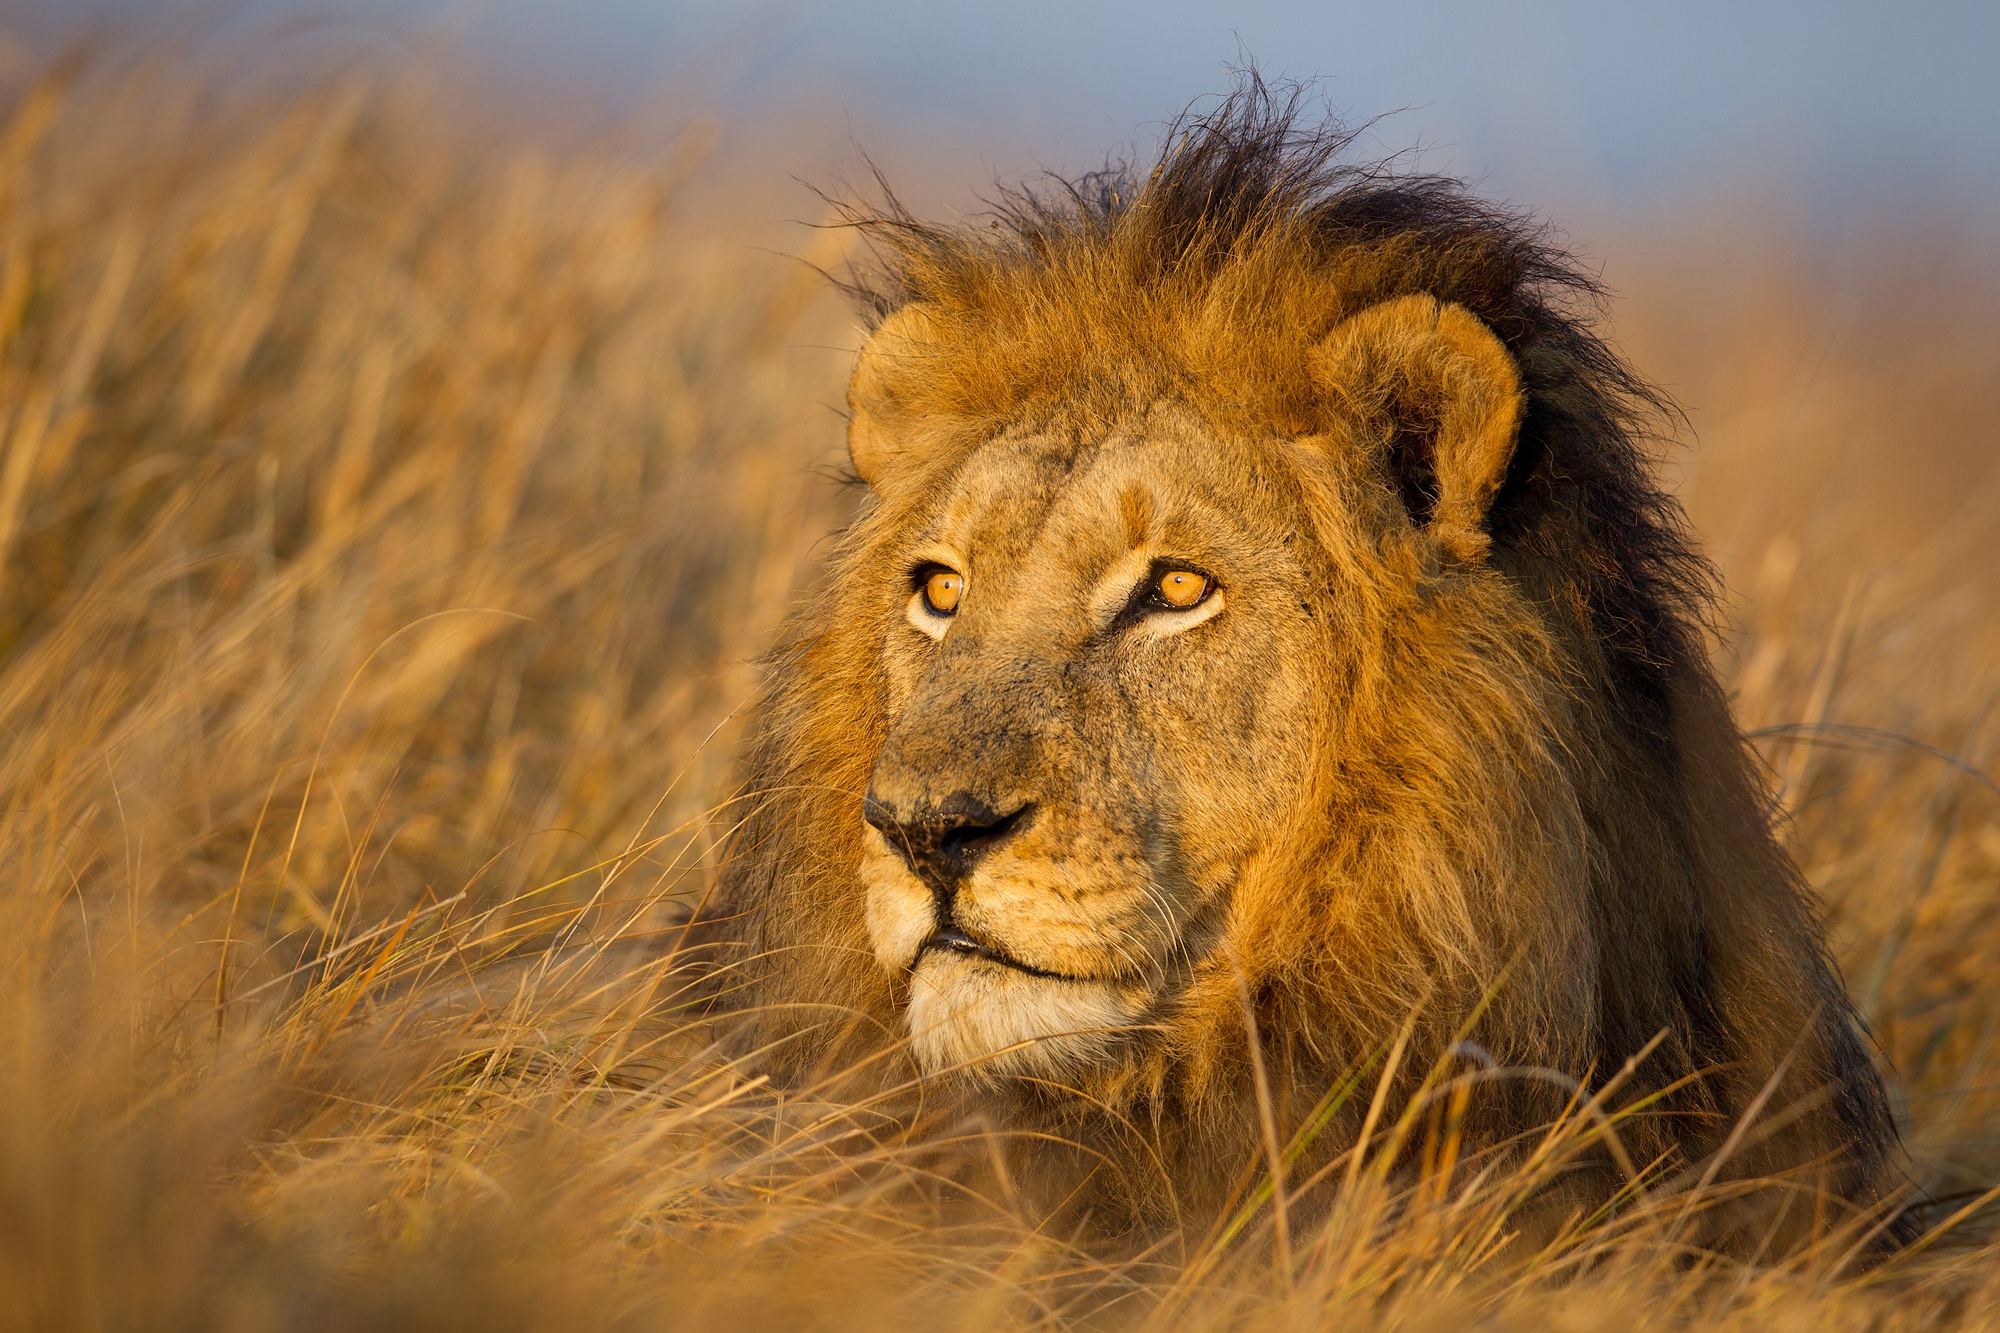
x=1072, y=502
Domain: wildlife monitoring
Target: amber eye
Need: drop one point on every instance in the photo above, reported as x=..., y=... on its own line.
x=942, y=591
x=1182, y=588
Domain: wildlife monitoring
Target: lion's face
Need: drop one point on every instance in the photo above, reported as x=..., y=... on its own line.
x=1091, y=655
x=1113, y=642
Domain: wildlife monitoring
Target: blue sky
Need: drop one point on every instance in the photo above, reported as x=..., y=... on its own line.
x=1837, y=109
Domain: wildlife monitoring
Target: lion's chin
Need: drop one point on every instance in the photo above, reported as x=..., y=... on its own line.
x=982, y=1018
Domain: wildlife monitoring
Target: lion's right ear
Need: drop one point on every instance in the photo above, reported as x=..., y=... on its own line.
x=1436, y=398
x=877, y=430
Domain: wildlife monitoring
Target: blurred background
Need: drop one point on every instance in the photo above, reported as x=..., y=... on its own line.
x=415, y=421
x=1843, y=115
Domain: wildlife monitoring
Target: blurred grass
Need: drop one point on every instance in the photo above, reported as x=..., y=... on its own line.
x=388, y=520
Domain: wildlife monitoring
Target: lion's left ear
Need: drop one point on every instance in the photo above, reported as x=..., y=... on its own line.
x=1436, y=396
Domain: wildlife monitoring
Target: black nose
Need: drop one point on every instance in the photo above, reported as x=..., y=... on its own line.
x=941, y=844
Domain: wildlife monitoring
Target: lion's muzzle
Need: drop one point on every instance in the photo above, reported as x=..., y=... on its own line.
x=941, y=846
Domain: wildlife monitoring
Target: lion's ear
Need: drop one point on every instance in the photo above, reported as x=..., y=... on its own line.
x=892, y=357
x=1438, y=396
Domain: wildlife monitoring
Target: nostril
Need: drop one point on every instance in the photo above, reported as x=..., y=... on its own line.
x=969, y=839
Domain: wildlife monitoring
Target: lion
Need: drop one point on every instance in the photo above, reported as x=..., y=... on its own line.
x=1263, y=644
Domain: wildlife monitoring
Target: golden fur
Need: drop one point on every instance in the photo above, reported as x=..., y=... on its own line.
x=1446, y=754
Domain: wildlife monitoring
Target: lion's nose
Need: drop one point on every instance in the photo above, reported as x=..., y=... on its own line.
x=943, y=843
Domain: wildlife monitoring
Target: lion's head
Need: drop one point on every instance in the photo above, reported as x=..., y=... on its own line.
x=1120, y=644
x=1265, y=621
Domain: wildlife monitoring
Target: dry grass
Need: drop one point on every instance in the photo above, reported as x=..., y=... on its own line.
x=387, y=523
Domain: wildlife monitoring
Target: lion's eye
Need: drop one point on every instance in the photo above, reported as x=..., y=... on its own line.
x=942, y=590
x=1182, y=588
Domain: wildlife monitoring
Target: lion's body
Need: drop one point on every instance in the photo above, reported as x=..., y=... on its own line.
x=1449, y=760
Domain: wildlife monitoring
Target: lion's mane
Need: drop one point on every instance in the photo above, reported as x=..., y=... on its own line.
x=1566, y=839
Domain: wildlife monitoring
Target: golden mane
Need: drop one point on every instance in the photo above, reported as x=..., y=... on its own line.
x=1536, y=774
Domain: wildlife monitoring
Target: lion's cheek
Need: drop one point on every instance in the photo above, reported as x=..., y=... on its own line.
x=899, y=912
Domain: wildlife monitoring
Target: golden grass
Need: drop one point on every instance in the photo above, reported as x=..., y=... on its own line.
x=388, y=522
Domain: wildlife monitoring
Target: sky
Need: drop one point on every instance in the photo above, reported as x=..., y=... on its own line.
x=1845, y=113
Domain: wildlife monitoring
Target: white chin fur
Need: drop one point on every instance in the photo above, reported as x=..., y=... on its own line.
x=989, y=1019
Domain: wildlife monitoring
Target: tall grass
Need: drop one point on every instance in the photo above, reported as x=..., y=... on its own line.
x=388, y=520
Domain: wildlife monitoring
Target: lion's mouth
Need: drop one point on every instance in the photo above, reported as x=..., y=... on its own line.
x=951, y=939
